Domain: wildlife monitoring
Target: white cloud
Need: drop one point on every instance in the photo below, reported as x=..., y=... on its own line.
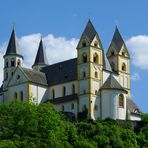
x=135, y=76
x=138, y=46
x=57, y=49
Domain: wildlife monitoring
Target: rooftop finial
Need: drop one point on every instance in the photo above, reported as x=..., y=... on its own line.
x=116, y=23
x=13, y=25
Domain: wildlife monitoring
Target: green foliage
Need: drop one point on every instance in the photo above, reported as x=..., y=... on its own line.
x=32, y=126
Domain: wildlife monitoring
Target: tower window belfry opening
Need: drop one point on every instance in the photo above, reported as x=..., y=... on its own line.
x=84, y=74
x=18, y=63
x=12, y=62
x=96, y=44
x=96, y=74
x=123, y=53
x=84, y=44
x=84, y=58
x=96, y=58
x=112, y=53
x=123, y=67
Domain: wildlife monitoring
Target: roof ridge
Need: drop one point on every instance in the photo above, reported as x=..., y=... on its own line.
x=24, y=68
x=61, y=62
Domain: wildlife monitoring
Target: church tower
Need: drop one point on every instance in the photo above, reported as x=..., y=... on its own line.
x=119, y=59
x=12, y=59
x=90, y=69
x=41, y=58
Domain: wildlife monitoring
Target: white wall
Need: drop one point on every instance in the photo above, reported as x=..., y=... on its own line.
x=67, y=107
x=95, y=113
x=58, y=89
x=38, y=93
x=110, y=105
x=84, y=100
x=18, y=89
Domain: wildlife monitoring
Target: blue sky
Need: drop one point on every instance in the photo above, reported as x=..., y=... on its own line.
x=62, y=22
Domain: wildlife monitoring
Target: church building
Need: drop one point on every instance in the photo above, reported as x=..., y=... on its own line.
x=94, y=82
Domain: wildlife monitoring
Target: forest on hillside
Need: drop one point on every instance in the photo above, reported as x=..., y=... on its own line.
x=24, y=125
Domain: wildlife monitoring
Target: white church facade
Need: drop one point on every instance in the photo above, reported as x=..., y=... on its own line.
x=94, y=82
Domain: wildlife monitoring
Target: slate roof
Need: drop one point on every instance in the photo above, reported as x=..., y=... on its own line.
x=133, y=108
x=35, y=76
x=89, y=33
x=106, y=64
x=41, y=58
x=117, y=40
x=12, y=48
x=61, y=72
x=112, y=83
x=64, y=99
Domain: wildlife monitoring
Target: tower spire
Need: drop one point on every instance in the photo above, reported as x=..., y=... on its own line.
x=41, y=58
x=89, y=31
x=117, y=40
x=88, y=35
x=12, y=48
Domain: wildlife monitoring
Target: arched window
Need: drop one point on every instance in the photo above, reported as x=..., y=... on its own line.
x=95, y=58
x=84, y=58
x=123, y=67
x=113, y=66
x=6, y=64
x=63, y=108
x=21, y=96
x=73, y=89
x=84, y=74
x=15, y=95
x=112, y=53
x=123, y=53
x=84, y=91
x=121, y=100
x=19, y=62
x=84, y=44
x=72, y=106
x=96, y=92
x=53, y=93
x=96, y=44
x=12, y=63
x=6, y=75
x=64, y=91
x=96, y=74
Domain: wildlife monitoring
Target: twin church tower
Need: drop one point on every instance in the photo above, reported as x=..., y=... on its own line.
x=95, y=83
